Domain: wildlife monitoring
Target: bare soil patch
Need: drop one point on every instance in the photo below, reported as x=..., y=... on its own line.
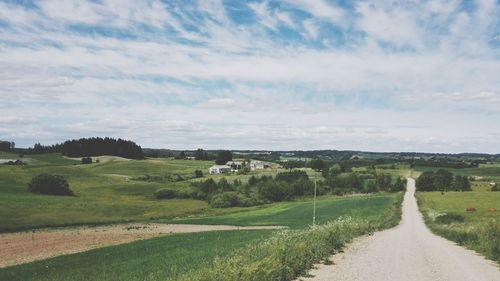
x=23, y=247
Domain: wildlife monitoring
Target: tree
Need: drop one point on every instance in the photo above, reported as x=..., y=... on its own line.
x=383, y=182
x=317, y=165
x=461, y=183
x=49, y=185
x=200, y=154
x=182, y=155
x=425, y=182
x=223, y=185
x=223, y=157
x=6, y=145
x=443, y=180
x=209, y=186
x=252, y=181
x=399, y=185
x=198, y=173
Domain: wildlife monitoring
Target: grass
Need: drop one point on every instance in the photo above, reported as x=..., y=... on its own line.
x=446, y=215
x=288, y=254
x=299, y=214
x=104, y=192
x=163, y=258
x=251, y=255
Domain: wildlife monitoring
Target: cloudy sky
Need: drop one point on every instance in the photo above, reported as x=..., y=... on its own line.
x=375, y=75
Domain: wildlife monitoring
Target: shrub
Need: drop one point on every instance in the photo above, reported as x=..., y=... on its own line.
x=449, y=218
x=86, y=160
x=198, y=174
x=165, y=193
x=225, y=200
x=49, y=185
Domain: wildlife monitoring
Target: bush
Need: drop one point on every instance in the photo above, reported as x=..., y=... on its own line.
x=449, y=218
x=165, y=193
x=198, y=174
x=86, y=160
x=225, y=200
x=49, y=185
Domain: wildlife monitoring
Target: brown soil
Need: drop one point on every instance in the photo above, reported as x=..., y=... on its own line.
x=22, y=247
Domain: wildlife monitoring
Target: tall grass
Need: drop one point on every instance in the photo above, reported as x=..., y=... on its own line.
x=289, y=253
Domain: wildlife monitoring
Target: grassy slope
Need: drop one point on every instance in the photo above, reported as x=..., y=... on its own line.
x=104, y=192
x=163, y=258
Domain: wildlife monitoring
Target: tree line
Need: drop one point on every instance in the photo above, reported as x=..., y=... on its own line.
x=85, y=147
x=442, y=180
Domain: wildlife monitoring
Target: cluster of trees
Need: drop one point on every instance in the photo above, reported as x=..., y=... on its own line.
x=49, y=185
x=223, y=157
x=341, y=180
x=157, y=152
x=442, y=180
x=258, y=190
x=102, y=146
x=7, y=145
x=444, y=162
x=201, y=154
x=39, y=149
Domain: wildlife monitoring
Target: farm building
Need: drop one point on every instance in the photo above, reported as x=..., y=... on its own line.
x=235, y=165
x=219, y=169
x=257, y=165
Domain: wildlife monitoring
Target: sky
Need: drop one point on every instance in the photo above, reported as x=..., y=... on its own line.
x=272, y=75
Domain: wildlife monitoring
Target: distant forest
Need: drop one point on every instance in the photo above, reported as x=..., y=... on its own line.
x=102, y=146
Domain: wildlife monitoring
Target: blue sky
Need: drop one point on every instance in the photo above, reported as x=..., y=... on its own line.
x=294, y=74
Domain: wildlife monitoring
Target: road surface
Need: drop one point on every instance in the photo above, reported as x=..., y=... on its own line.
x=408, y=252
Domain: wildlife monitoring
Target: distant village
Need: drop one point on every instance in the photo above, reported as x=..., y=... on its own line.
x=235, y=166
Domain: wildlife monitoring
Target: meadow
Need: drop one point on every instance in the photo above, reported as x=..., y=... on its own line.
x=446, y=213
x=105, y=192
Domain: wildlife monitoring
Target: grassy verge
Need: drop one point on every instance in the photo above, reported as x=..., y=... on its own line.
x=446, y=215
x=163, y=258
x=288, y=254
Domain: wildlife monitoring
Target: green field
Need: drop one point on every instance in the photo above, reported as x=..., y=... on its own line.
x=166, y=258
x=479, y=230
x=299, y=214
x=162, y=258
x=105, y=192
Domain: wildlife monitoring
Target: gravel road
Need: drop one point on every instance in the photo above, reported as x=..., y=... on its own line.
x=408, y=252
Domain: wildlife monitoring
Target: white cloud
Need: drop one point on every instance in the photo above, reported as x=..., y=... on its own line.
x=180, y=70
x=320, y=9
x=311, y=29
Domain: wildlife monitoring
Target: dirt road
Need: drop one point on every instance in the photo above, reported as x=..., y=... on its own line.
x=408, y=252
x=22, y=247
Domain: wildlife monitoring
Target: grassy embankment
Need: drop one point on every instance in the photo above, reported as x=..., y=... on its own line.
x=259, y=255
x=446, y=214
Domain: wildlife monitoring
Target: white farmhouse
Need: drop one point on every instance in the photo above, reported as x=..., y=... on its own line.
x=256, y=165
x=219, y=169
x=235, y=165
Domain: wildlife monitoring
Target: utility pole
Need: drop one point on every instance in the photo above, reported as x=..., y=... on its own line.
x=314, y=204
